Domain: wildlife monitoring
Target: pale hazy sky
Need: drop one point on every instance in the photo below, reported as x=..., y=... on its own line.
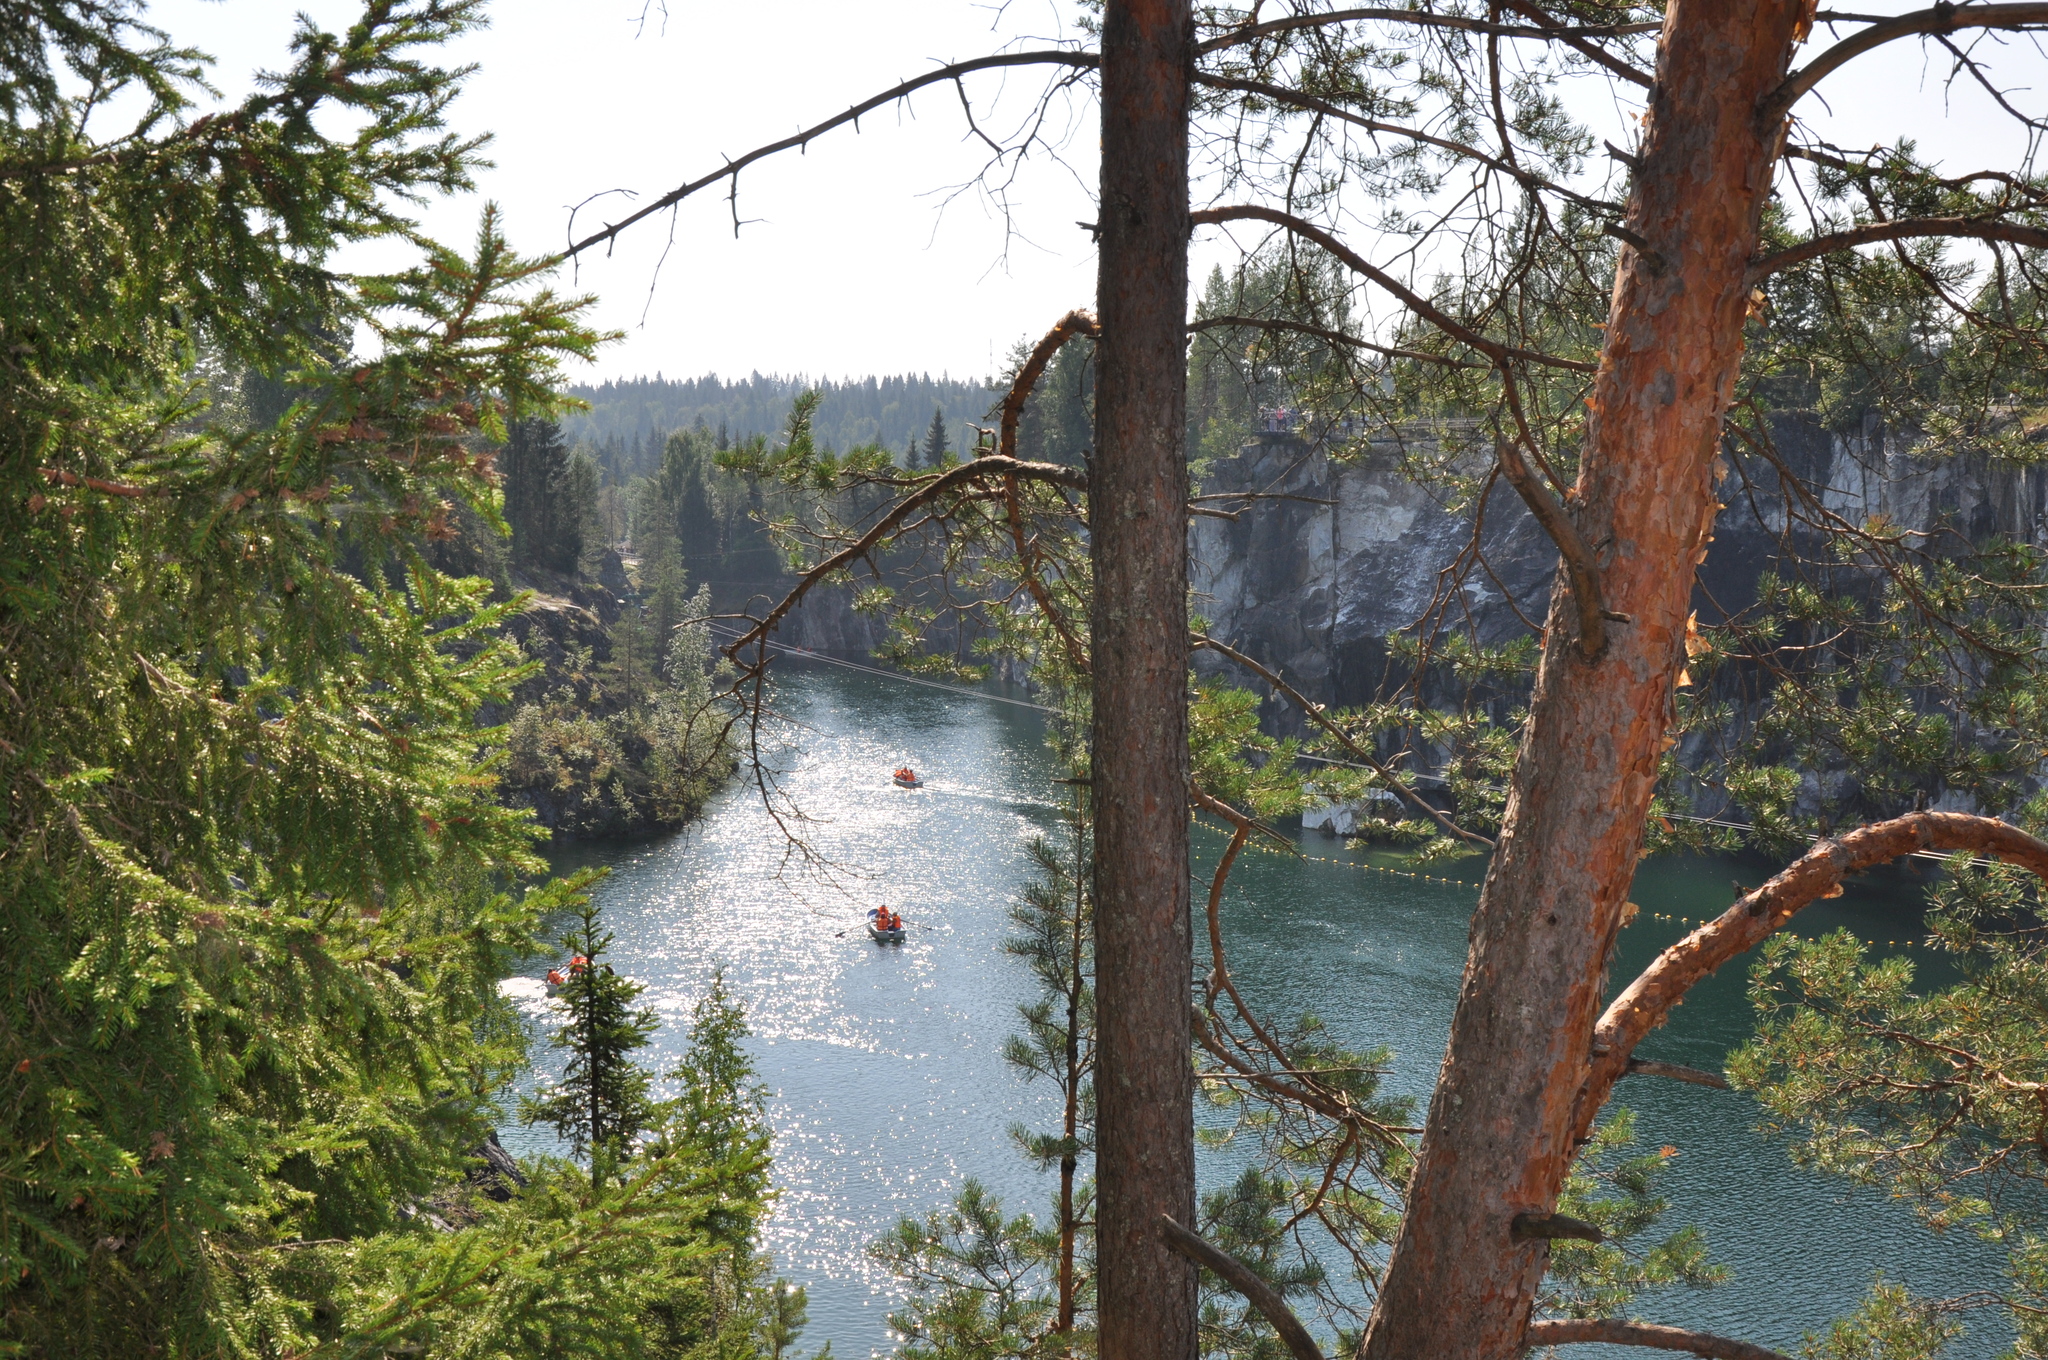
x=854, y=258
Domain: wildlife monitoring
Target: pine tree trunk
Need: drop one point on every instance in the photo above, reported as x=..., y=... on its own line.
x=1070, y=1124
x=1145, y=1161
x=1460, y=1285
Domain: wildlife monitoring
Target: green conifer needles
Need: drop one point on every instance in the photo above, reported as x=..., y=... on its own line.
x=602, y=1103
x=253, y=869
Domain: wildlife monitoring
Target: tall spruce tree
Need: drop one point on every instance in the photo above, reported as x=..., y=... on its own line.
x=935, y=443
x=251, y=870
x=602, y=1103
x=549, y=500
x=697, y=521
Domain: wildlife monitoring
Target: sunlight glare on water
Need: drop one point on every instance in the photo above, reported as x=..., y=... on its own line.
x=888, y=1088
x=884, y=1062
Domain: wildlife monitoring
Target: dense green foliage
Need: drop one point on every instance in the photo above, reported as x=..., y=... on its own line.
x=1931, y=1092
x=256, y=882
x=629, y=744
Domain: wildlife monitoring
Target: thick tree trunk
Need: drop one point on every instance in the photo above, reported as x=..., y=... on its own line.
x=1145, y=1157
x=1498, y=1142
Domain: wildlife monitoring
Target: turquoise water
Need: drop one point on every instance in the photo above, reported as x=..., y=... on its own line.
x=888, y=1085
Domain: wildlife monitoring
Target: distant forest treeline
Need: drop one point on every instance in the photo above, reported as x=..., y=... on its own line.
x=628, y=419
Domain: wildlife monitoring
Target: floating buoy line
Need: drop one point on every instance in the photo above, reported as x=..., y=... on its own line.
x=1441, y=881
x=1411, y=874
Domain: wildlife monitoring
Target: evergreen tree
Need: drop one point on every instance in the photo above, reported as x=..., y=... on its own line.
x=784, y=1319
x=697, y=521
x=675, y=512
x=549, y=498
x=981, y=1284
x=722, y=1109
x=583, y=539
x=935, y=445
x=252, y=872
x=601, y=1104
x=1055, y=936
x=629, y=672
x=911, y=457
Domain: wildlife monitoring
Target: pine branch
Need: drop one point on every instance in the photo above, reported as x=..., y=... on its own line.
x=1900, y=229
x=1314, y=713
x=1615, y=1332
x=1942, y=18
x=1238, y=37
x=1245, y=1281
x=1754, y=917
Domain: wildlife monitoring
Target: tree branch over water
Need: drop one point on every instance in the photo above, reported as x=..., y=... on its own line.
x=1818, y=874
x=1615, y=1332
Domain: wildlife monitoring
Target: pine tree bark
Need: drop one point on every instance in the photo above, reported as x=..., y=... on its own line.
x=1145, y=1160
x=1499, y=1139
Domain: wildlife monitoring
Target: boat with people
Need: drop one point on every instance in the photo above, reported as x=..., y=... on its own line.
x=557, y=978
x=906, y=778
x=884, y=926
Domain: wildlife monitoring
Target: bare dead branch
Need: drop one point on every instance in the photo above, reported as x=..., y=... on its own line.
x=1076, y=322
x=1219, y=976
x=1942, y=18
x=1900, y=229
x=731, y=169
x=1246, y=497
x=1818, y=874
x=1615, y=1332
x=1245, y=1281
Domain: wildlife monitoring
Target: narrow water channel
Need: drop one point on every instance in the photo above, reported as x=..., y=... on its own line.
x=885, y=1065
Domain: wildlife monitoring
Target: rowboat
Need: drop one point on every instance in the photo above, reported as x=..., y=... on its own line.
x=879, y=935
x=559, y=978
x=906, y=778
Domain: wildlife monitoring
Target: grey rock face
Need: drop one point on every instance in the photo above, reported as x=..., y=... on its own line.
x=1313, y=586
